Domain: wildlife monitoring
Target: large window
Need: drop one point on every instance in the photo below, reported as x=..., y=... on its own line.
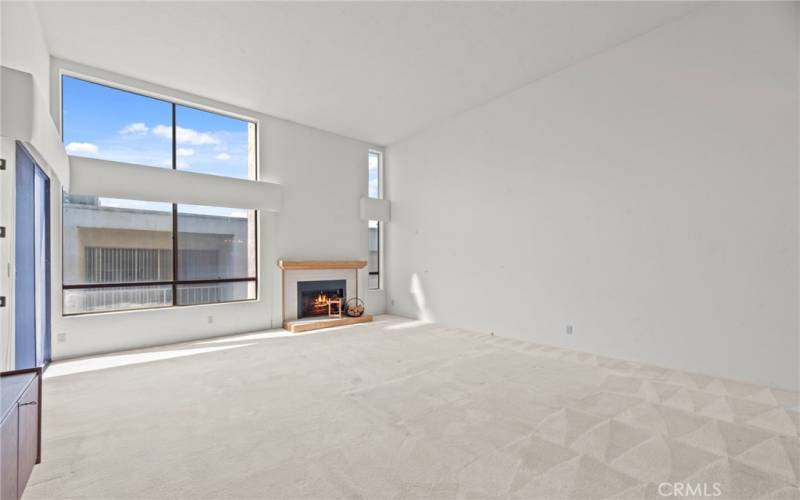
x=374, y=189
x=128, y=254
x=124, y=254
x=99, y=121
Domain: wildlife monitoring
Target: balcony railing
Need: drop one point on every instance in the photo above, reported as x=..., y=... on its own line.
x=140, y=297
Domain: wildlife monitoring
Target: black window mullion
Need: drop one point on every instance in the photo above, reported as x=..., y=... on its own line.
x=174, y=211
x=126, y=284
x=174, y=254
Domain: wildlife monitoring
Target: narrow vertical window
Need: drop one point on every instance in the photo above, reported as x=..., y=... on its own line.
x=374, y=163
x=374, y=190
x=374, y=261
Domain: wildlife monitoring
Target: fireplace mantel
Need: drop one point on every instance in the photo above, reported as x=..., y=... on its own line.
x=295, y=265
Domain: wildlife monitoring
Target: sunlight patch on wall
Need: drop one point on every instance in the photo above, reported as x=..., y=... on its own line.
x=423, y=310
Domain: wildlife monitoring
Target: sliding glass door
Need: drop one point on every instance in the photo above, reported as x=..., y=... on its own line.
x=32, y=264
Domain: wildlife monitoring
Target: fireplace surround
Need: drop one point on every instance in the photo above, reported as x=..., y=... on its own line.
x=296, y=272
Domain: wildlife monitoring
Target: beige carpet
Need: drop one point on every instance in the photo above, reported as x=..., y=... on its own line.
x=398, y=409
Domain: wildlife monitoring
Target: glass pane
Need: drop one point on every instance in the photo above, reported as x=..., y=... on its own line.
x=374, y=163
x=109, y=240
x=374, y=262
x=209, y=143
x=111, y=124
x=209, y=293
x=85, y=300
x=216, y=243
x=24, y=241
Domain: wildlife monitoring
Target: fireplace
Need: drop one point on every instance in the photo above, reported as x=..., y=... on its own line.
x=313, y=296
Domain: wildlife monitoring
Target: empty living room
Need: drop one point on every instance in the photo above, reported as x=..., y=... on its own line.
x=399, y=250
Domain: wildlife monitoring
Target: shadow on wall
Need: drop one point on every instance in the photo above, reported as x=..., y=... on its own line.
x=423, y=310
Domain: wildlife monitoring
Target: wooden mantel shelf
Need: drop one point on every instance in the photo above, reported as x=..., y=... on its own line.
x=293, y=265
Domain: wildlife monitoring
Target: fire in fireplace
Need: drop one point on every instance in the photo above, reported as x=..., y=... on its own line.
x=313, y=296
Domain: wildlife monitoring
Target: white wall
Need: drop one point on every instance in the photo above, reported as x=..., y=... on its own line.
x=323, y=176
x=22, y=47
x=320, y=173
x=23, y=43
x=648, y=196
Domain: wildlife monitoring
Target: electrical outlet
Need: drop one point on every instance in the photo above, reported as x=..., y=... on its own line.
x=210, y=319
x=569, y=329
x=62, y=337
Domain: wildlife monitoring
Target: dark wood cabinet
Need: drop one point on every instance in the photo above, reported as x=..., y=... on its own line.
x=20, y=429
x=8, y=456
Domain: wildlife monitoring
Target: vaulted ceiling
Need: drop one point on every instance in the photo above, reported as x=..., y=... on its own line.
x=378, y=71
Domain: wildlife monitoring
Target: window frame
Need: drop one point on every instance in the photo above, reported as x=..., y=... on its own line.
x=174, y=282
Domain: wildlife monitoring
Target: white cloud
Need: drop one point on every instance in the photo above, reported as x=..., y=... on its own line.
x=223, y=156
x=185, y=151
x=185, y=135
x=135, y=128
x=81, y=148
x=163, y=131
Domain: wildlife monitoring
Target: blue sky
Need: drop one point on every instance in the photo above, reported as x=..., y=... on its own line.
x=373, y=166
x=102, y=122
